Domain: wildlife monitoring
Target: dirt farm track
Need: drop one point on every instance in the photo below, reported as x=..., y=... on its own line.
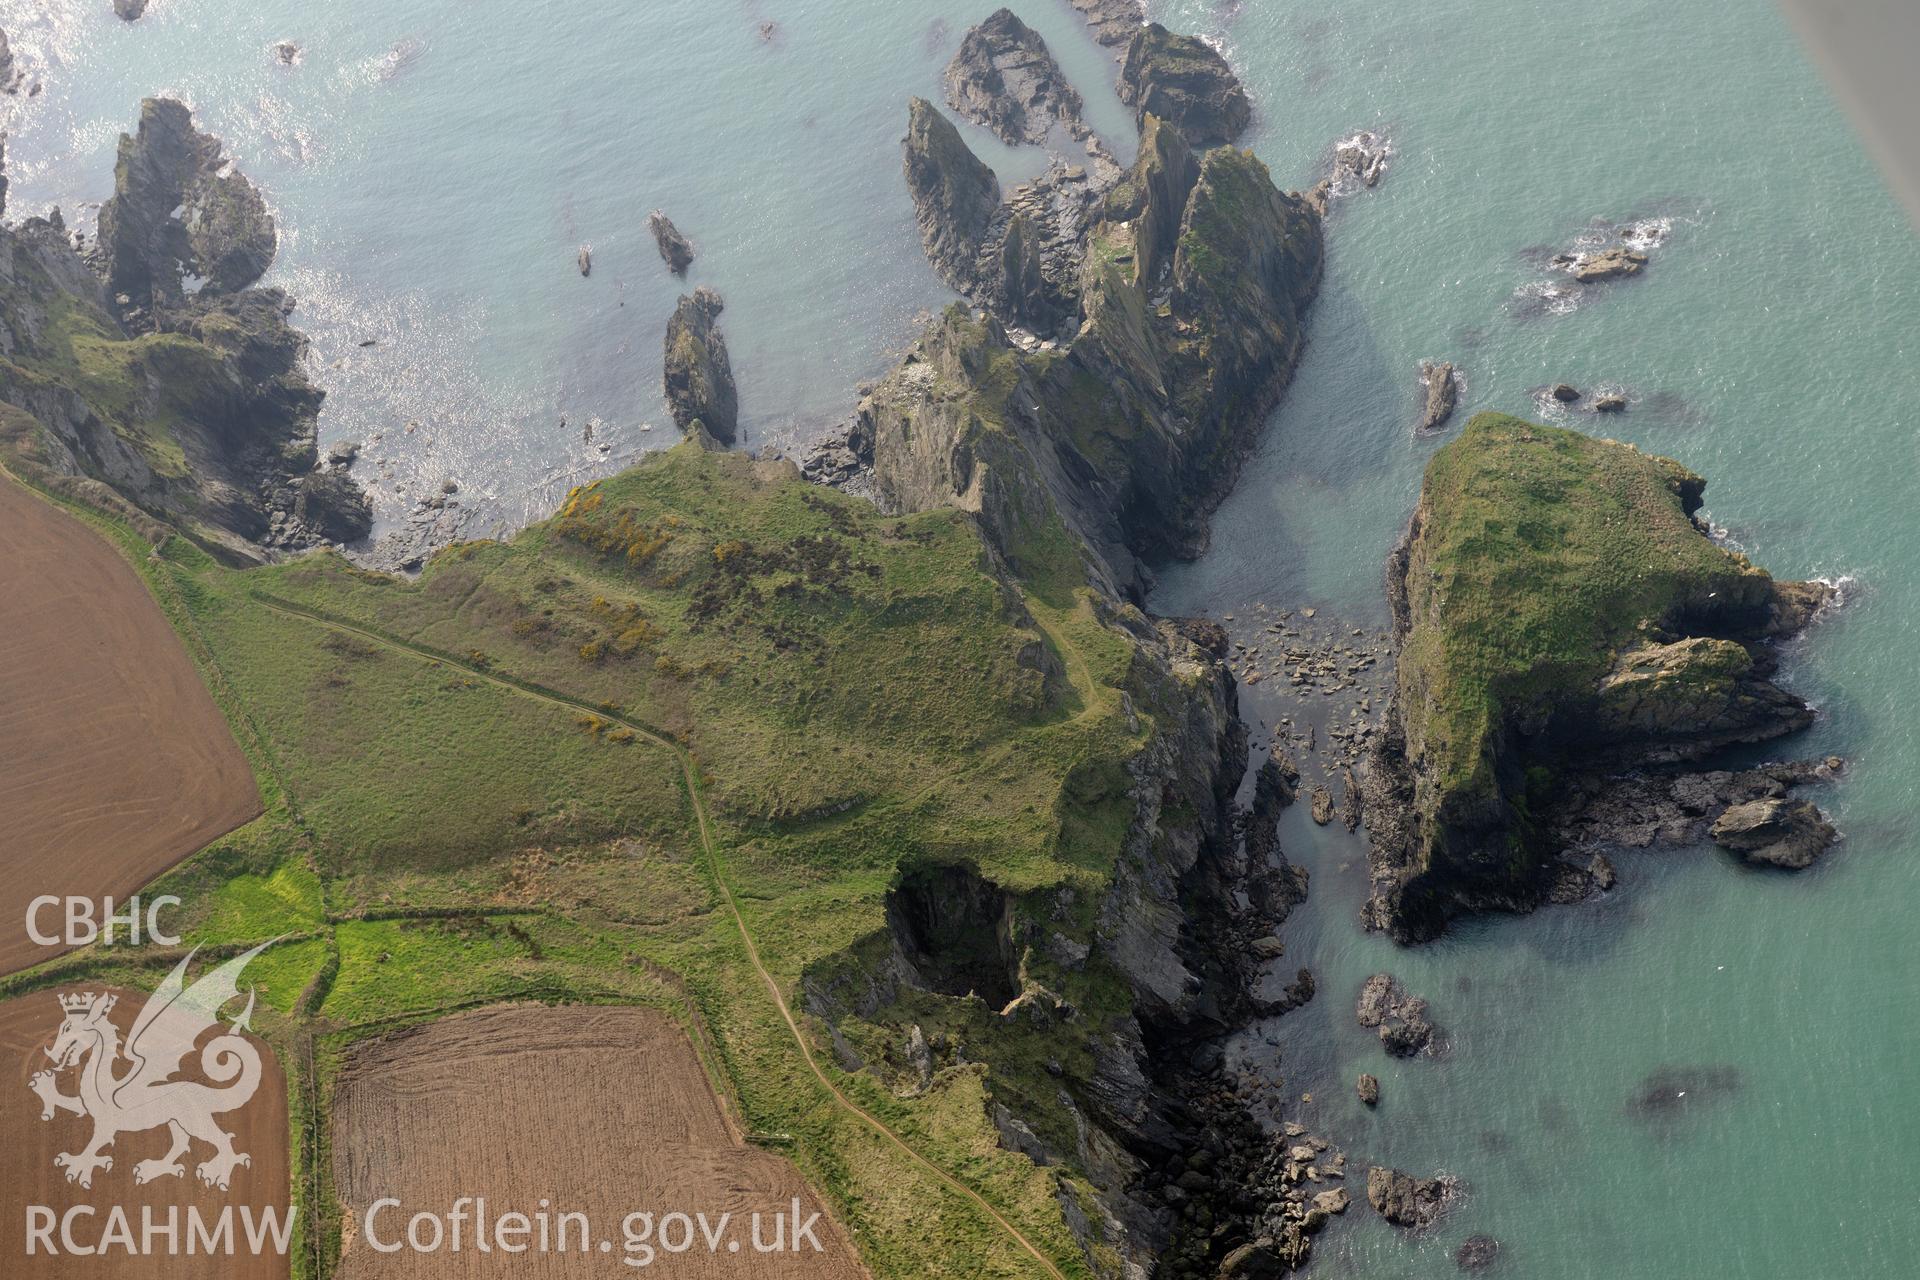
x=605, y=1112
x=28, y=1175
x=114, y=761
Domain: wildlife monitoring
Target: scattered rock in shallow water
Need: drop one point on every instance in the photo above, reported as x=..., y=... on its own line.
x=130, y=10
x=1360, y=159
x=1476, y=1253
x=1605, y=264
x=1400, y=1018
x=1185, y=82
x=1611, y=402
x=1406, y=1201
x=286, y=52
x=1564, y=392
x=1322, y=805
x=675, y=249
x=1775, y=832
x=1600, y=868
x=343, y=453
x=1113, y=22
x=1368, y=1087
x=1440, y=381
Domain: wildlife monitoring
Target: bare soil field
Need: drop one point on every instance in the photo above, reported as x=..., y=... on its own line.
x=598, y=1111
x=114, y=761
x=29, y=1177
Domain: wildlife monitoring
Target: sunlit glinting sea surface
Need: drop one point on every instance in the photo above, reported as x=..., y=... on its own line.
x=437, y=166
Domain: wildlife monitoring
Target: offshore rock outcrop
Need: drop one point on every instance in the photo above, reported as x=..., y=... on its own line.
x=675, y=249
x=1184, y=81
x=1193, y=286
x=1407, y=1201
x=182, y=220
x=130, y=10
x=1624, y=638
x=699, y=375
x=193, y=405
x=1005, y=79
x=1440, y=390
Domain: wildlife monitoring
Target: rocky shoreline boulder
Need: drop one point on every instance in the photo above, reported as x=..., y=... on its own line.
x=698, y=378
x=1775, y=832
x=1184, y=81
x=1614, y=634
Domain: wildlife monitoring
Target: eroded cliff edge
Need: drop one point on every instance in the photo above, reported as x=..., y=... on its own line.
x=1127, y=336
x=1562, y=617
x=154, y=364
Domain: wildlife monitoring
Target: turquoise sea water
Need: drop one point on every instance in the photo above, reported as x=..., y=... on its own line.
x=436, y=166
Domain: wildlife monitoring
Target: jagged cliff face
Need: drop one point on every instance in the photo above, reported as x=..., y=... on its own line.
x=155, y=366
x=1133, y=331
x=1193, y=280
x=1558, y=613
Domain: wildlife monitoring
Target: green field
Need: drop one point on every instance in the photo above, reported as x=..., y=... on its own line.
x=487, y=784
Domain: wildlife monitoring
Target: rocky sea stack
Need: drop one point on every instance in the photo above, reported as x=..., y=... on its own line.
x=675, y=249
x=1561, y=618
x=1005, y=79
x=1184, y=81
x=181, y=217
x=699, y=375
x=157, y=367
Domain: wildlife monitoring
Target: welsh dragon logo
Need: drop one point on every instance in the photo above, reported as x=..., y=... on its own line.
x=146, y=1095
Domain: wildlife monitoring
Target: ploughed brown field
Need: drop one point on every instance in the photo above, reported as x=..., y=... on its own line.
x=29, y=1177
x=600, y=1111
x=114, y=761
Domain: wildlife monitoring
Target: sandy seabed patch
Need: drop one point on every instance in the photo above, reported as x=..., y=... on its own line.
x=115, y=763
x=595, y=1110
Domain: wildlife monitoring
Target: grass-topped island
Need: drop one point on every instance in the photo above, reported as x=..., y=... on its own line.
x=1559, y=610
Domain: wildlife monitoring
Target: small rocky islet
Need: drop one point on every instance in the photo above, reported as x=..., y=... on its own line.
x=1626, y=639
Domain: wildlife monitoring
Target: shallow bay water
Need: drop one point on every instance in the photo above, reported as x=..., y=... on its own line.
x=437, y=166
